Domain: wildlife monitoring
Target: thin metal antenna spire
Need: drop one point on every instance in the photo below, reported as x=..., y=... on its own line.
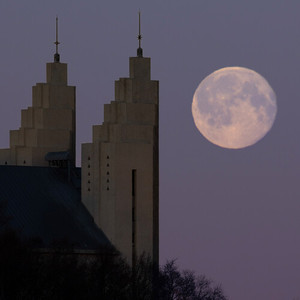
x=140, y=50
x=56, y=55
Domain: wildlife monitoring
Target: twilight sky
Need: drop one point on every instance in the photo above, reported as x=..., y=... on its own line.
x=233, y=215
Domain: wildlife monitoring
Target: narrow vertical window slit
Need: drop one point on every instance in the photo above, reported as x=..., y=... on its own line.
x=133, y=194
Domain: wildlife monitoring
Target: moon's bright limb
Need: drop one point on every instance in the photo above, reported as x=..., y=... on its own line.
x=234, y=107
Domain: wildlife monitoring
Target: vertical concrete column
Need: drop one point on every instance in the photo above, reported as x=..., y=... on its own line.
x=125, y=206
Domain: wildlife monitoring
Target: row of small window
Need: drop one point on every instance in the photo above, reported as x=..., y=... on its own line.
x=90, y=165
x=24, y=162
x=107, y=157
x=89, y=174
x=107, y=173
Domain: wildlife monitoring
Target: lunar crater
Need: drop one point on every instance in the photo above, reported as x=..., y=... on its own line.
x=234, y=107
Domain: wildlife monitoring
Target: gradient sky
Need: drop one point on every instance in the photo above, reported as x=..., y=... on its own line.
x=233, y=215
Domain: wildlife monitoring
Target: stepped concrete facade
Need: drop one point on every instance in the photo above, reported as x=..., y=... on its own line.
x=120, y=166
x=48, y=125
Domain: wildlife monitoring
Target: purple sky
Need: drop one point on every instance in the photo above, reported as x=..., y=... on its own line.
x=233, y=215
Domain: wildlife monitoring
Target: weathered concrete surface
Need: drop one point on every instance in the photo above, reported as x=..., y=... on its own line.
x=120, y=166
x=47, y=126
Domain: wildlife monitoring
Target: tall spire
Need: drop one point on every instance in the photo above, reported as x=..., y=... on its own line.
x=56, y=55
x=140, y=50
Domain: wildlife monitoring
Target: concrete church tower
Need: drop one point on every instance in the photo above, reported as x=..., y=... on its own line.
x=120, y=166
x=47, y=126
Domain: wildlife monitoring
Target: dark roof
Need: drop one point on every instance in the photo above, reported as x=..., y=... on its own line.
x=41, y=203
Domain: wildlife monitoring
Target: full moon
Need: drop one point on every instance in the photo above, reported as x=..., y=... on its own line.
x=234, y=107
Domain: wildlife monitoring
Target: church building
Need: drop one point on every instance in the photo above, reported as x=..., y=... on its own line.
x=113, y=198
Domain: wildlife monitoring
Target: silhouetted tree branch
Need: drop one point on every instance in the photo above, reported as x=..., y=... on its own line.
x=61, y=273
x=176, y=285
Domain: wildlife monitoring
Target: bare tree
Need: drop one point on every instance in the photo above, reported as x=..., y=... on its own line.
x=176, y=285
x=29, y=274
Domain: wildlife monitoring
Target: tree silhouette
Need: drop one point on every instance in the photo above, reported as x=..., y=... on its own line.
x=176, y=285
x=26, y=272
